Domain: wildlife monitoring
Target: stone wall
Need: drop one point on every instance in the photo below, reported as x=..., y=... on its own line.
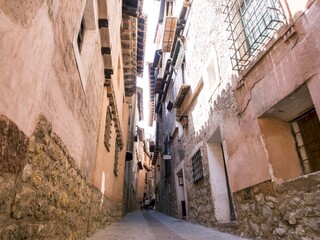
x=289, y=210
x=43, y=195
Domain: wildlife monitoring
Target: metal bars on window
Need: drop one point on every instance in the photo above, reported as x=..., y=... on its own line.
x=251, y=25
x=197, y=170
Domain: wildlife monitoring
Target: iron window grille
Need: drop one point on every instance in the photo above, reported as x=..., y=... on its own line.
x=251, y=25
x=197, y=170
x=306, y=130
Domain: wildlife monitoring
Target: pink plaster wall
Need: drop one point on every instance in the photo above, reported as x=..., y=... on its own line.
x=282, y=154
x=39, y=74
x=314, y=89
x=247, y=162
x=281, y=70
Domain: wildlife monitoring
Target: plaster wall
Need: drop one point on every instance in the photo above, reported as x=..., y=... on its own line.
x=44, y=73
x=252, y=142
x=286, y=66
x=218, y=183
x=278, y=140
x=40, y=74
x=314, y=86
x=105, y=178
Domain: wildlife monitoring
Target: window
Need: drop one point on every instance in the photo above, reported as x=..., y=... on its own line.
x=306, y=130
x=251, y=23
x=211, y=77
x=167, y=158
x=116, y=158
x=107, y=131
x=197, y=171
x=84, y=41
x=81, y=35
x=257, y=21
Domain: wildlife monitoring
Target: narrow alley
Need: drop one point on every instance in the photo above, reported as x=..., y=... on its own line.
x=142, y=225
x=205, y=110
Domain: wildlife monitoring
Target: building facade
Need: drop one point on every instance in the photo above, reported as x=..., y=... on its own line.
x=67, y=86
x=237, y=108
x=138, y=184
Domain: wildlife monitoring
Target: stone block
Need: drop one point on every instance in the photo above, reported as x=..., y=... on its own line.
x=14, y=145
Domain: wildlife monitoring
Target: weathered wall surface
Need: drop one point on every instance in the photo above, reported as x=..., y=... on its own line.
x=40, y=73
x=43, y=194
x=204, y=43
x=286, y=210
x=201, y=208
x=264, y=210
x=44, y=72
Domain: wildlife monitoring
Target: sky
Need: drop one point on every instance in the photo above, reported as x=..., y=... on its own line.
x=151, y=9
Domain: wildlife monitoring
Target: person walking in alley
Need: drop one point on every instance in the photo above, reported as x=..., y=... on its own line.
x=146, y=204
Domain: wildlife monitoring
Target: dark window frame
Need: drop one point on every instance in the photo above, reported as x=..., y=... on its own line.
x=80, y=36
x=197, y=168
x=304, y=128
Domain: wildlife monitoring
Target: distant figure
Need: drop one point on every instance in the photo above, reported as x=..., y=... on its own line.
x=146, y=204
x=152, y=203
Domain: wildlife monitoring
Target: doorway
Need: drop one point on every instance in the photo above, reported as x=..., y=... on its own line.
x=219, y=181
x=181, y=192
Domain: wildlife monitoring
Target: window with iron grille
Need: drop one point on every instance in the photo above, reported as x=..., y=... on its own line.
x=107, y=132
x=197, y=170
x=251, y=23
x=306, y=130
x=116, y=158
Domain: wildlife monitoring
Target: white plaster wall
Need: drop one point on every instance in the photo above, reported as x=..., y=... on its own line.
x=218, y=182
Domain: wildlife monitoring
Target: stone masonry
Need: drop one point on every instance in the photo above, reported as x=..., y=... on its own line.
x=43, y=195
x=285, y=211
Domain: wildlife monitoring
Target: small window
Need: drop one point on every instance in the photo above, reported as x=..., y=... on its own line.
x=84, y=41
x=107, y=132
x=197, y=170
x=306, y=130
x=81, y=35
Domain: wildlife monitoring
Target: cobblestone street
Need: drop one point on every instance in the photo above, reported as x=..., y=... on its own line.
x=154, y=225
